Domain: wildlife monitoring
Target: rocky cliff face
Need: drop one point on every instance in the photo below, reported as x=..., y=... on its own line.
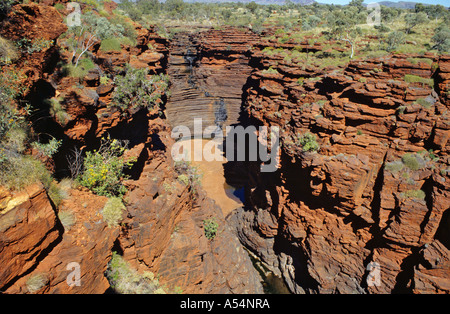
x=208, y=71
x=376, y=193
x=374, y=196
x=163, y=225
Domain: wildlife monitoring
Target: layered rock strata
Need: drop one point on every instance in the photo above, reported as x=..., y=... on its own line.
x=208, y=71
x=162, y=229
x=374, y=198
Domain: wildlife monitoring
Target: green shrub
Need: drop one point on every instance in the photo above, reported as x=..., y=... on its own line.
x=16, y=170
x=59, y=6
x=409, y=78
x=104, y=169
x=134, y=89
x=127, y=30
x=412, y=161
x=36, y=282
x=308, y=142
x=10, y=86
x=110, y=44
x=401, y=109
x=441, y=38
x=47, y=149
x=112, y=211
x=394, y=166
x=420, y=60
x=8, y=52
x=394, y=39
x=210, y=226
x=36, y=45
x=56, y=194
x=80, y=71
x=57, y=111
x=417, y=194
x=125, y=280
x=104, y=80
x=424, y=102
x=12, y=131
x=20, y=171
x=184, y=179
x=270, y=70
x=188, y=174
x=67, y=218
x=13, y=143
x=167, y=187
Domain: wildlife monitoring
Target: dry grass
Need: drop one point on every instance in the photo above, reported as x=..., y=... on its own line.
x=8, y=52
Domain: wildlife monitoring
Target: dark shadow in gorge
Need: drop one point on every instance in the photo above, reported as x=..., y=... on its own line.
x=299, y=261
x=242, y=173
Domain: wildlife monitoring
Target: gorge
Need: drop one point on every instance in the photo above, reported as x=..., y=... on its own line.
x=374, y=191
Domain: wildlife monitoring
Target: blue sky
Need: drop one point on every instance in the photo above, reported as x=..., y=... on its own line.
x=443, y=2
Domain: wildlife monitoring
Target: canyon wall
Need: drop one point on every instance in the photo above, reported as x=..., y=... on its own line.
x=374, y=198
x=208, y=71
x=162, y=228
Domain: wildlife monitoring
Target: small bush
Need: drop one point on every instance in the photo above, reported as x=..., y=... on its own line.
x=10, y=86
x=135, y=89
x=36, y=45
x=270, y=71
x=426, y=103
x=167, y=187
x=104, y=169
x=184, y=179
x=104, y=80
x=8, y=52
x=188, y=174
x=308, y=142
x=20, y=171
x=47, y=149
x=112, y=212
x=84, y=65
x=125, y=280
x=59, y=6
x=210, y=226
x=394, y=39
x=67, y=218
x=16, y=170
x=394, y=166
x=110, y=44
x=409, y=78
x=412, y=161
x=56, y=194
x=36, y=282
x=420, y=60
x=441, y=38
x=57, y=111
x=417, y=194
x=13, y=143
